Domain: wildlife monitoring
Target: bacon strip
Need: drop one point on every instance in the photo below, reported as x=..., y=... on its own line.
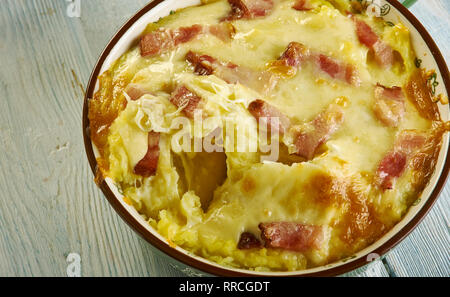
x=296, y=54
x=260, y=81
x=394, y=93
x=308, y=140
x=383, y=53
x=248, y=241
x=149, y=164
x=292, y=236
x=291, y=60
x=365, y=34
x=135, y=92
x=390, y=168
x=183, y=97
x=261, y=109
x=203, y=64
x=337, y=69
x=395, y=162
x=302, y=5
x=164, y=40
x=223, y=31
x=249, y=9
x=389, y=105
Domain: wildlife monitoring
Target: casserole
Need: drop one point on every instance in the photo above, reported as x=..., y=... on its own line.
x=424, y=54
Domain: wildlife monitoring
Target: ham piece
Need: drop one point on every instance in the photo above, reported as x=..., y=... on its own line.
x=318, y=131
x=164, y=40
x=389, y=105
x=149, y=164
x=184, y=98
x=302, y=5
x=249, y=9
x=383, y=53
x=394, y=163
x=338, y=69
x=261, y=109
x=260, y=81
x=297, y=54
x=292, y=236
x=135, y=91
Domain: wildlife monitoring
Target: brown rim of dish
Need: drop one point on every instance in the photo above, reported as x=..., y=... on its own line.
x=223, y=271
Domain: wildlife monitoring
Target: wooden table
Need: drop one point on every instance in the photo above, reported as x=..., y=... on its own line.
x=49, y=204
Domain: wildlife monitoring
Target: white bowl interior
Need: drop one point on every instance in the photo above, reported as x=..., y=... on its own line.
x=422, y=51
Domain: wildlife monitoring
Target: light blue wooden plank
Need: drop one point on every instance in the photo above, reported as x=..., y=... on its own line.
x=374, y=269
x=435, y=16
x=99, y=30
x=426, y=251
x=49, y=205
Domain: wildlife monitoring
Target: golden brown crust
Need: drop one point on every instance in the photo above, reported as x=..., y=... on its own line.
x=359, y=223
x=423, y=163
x=418, y=92
x=326, y=190
x=104, y=108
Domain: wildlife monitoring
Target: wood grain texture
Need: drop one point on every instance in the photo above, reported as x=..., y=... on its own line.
x=49, y=205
